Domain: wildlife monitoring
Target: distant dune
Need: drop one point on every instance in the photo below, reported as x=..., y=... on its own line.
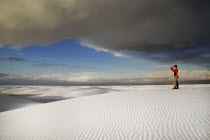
x=46, y=94
x=10, y=103
x=124, y=113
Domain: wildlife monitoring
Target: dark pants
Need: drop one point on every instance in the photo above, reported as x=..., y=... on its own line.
x=176, y=83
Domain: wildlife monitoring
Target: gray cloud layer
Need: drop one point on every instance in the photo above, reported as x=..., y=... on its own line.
x=25, y=81
x=3, y=74
x=164, y=30
x=8, y=58
x=8, y=79
x=48, y=65
x=8, y=75
x=51, y=65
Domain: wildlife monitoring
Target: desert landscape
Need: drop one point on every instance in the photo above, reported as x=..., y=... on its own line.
x=104, y=70
x=147, y=112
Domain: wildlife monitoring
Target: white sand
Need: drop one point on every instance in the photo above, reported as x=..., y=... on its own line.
x=134, y=114
x=10, y=103
x=53, y=93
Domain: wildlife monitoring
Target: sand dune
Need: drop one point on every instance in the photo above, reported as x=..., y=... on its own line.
x=10, y=103
x=53, y=93
x=148, y=114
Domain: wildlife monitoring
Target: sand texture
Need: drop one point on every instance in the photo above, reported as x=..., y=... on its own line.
x=129, y=114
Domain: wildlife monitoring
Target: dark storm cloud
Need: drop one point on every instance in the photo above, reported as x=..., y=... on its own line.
x=164, y=30
x=200, y=56
x=8, y=58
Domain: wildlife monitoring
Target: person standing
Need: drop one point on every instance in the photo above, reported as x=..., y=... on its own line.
x=176, y=76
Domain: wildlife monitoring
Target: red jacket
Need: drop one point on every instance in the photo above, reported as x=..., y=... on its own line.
x=175, y=71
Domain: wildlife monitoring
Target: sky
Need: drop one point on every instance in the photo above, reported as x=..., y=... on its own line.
x=74, y=41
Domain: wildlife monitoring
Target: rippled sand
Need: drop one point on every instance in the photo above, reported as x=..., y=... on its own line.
x=132, y=113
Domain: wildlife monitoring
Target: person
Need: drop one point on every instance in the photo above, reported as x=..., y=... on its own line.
x=176, y=76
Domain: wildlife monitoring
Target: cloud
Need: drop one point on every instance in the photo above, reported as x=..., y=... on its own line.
x=163, y=31
x=8, y=58
x=3, y=74
x=78, y=78
x=52, y=65
x=71, y=77
x=94, y=78
x=82, y=78
x=82, y=66
x=22, y=53
x=52, y=79
x=183, y=74
x=48, y=65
